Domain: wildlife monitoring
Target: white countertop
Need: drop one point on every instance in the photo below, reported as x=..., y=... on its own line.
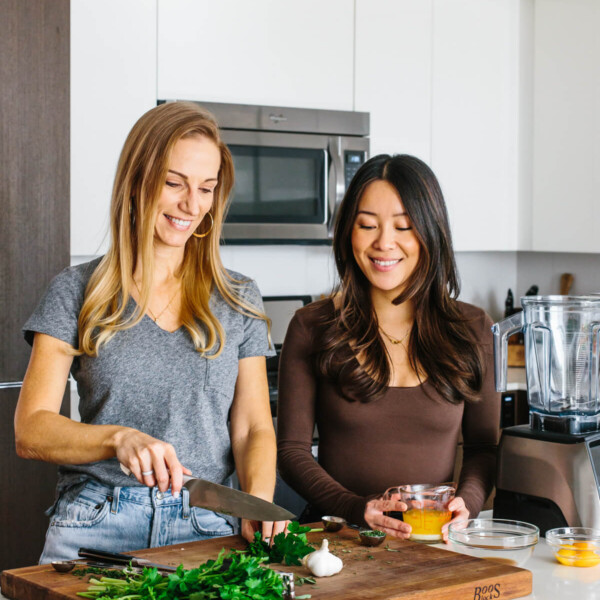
x=553, y=581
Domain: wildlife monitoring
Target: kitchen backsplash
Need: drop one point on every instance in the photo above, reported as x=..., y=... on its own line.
x=545, y=268
x=485, y=276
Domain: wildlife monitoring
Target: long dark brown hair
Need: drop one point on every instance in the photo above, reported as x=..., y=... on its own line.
x=442, y=345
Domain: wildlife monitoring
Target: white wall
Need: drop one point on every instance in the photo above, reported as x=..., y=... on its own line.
x=310, y=270
x=485, y=278
x=545, y=268
x=284, y=270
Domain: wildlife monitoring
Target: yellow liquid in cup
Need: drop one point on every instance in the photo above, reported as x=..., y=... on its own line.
x=426, y=523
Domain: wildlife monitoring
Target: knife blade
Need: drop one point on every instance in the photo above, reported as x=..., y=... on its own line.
x=229, y=501
x=116, y=558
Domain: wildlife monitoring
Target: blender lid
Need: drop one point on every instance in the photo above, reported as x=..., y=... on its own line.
x=591, y=300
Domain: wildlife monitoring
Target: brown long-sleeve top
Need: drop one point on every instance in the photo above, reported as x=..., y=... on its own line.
x=409, y=435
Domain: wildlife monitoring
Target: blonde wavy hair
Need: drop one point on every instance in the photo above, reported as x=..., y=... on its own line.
x=141, y=175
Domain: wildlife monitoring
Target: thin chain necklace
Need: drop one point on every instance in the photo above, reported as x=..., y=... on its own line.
x=395, y=340
x=156, y=317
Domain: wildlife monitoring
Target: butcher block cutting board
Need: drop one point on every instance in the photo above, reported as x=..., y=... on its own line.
x=395, y=570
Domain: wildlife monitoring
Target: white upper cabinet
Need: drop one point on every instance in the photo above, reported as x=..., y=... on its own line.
x=113, y=82
x=566, y=191
x=475, y=111
x=500, y=97
x=441, y=81
x=393, y=74
x=261, y=52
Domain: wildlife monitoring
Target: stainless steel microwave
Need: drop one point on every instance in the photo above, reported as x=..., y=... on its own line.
x=292, y=168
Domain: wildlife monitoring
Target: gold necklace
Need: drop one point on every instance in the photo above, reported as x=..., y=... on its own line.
x=394, y=340
x=155, y=318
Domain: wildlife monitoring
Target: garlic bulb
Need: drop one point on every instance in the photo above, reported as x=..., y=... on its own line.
x=322, y=563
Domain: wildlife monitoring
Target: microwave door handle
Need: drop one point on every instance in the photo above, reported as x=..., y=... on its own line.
x=336, y=192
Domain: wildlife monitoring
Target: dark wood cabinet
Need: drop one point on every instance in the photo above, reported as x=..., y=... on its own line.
x=34, y=236
x=28, y=489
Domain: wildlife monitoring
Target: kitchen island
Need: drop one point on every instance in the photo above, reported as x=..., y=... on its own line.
x=551, y=581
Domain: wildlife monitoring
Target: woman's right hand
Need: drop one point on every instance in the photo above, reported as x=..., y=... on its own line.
x=152, y=462
x=377, y=519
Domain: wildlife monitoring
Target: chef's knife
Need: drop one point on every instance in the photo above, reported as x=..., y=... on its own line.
x=115, y=558
x=229, y=501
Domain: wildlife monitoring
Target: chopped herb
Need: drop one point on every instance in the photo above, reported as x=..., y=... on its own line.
x=373, y=533
x=99, y=571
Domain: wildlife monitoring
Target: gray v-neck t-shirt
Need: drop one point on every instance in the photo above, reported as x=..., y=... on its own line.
x=153, y=380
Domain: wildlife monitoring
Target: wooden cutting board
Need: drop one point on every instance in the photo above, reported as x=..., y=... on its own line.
x=395, y=570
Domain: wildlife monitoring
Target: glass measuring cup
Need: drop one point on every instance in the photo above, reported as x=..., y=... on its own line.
x=427, y=508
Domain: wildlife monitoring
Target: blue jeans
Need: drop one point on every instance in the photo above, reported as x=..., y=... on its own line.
x=122, y=519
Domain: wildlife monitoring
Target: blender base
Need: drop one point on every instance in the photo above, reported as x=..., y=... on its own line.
x=548, y=479
x=521, y=507
x=568, y=424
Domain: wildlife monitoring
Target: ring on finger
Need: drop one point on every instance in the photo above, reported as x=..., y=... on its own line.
x=147, y=473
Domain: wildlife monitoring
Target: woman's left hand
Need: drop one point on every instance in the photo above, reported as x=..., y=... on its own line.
x=459, y=513
x=376, y=517
x=269, y=529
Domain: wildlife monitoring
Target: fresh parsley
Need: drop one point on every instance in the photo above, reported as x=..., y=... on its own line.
x=238, y=575
x=286, y=549
x=233, y=576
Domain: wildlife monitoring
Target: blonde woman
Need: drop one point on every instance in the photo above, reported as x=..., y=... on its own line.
x=166, y=347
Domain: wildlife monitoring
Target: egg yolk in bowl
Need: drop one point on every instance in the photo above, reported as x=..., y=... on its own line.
x=578, y=554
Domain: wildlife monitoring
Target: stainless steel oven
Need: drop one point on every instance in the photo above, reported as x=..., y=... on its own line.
x=292, y=168
x=280, y=310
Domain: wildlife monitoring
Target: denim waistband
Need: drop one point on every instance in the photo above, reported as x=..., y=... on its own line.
x=145, y=496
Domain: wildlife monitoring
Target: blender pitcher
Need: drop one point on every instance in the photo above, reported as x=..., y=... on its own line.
x=562, y=346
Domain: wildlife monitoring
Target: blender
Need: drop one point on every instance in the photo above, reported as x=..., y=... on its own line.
x=548, y=471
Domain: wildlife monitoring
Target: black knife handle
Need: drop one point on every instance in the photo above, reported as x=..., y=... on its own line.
x=105, y=556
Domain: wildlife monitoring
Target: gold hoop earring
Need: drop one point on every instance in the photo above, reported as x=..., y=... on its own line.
x=201, y=235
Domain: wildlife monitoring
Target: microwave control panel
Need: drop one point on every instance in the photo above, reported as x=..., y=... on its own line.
x=353, y=159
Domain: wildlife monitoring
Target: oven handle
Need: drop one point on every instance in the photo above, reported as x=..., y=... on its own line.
x=336, y=174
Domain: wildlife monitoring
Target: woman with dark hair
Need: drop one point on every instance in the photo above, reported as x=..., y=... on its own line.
x=391, y=367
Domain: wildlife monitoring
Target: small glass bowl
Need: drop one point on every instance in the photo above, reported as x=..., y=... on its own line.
x=370, y=537
x=502, y=540
x=332, y=523
x=575, y=546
